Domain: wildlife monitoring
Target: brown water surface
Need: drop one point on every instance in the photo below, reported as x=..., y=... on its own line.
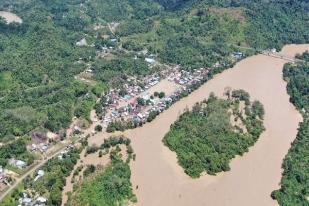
x=161, y=181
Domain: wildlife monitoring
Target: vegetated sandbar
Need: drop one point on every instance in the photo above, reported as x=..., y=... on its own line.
x=161, y=181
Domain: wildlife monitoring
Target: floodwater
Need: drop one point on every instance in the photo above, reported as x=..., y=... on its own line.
x=10, y=17
x=252, y=178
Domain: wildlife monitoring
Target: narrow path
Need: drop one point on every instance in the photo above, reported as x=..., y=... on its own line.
x=110, y=28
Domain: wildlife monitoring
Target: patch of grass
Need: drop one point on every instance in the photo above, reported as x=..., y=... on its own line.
x=5, y=80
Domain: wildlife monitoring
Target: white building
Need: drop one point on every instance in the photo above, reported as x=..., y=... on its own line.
x=82, y=42
x=150, y=60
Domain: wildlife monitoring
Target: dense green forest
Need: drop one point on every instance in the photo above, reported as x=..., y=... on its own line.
x=41, y=66
x=209, y=136
x=294, y=183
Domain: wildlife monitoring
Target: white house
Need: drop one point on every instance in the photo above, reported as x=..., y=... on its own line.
x=150, y=60
x=82, y=42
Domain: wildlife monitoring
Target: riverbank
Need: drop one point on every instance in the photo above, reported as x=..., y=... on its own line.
x=252, y=177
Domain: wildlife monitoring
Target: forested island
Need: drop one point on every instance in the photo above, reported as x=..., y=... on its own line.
x=294, y=183
x=215, y=131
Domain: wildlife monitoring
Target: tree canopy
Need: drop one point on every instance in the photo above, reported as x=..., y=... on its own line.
x=209, y=136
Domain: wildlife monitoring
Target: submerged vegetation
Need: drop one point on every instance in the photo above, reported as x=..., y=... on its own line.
x=209, y=136
x=295, y=180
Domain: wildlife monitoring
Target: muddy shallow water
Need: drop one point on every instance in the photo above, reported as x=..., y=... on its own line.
x=252, y=178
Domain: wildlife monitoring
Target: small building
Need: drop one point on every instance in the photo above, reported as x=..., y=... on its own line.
x=18, y=163
x=33, y=147
x=40, y=174
x=238, y=55
x=150, y=60
x=77, y=129
x=82, y=42
x=42, y=147
x=41, y=200
x=21, y=164
x=25, y=200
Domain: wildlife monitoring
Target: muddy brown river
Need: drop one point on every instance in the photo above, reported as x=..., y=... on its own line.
x=252, y=178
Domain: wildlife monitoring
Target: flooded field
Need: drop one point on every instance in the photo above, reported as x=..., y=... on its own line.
x=10, y=17
x=161, y=181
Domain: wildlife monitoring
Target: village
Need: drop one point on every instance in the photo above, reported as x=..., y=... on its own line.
x=8, y=177
x=138, y=101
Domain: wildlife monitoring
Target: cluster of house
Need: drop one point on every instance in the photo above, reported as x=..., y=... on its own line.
x=5, y=178
x=238, y=55
x=65, y=151
x=39, y=142
x=187, y=78
x=26, y=200
x=18, y=163
x=125, y=105
x=36, y=200
x=42, y=147
x=129, y=106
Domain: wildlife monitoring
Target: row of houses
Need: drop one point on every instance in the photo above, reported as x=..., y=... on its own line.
x=27, y=200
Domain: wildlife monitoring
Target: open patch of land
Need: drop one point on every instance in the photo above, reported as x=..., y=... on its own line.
x=10, y=17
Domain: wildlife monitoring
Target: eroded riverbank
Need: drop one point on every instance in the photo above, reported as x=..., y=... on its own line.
x=161, y=181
